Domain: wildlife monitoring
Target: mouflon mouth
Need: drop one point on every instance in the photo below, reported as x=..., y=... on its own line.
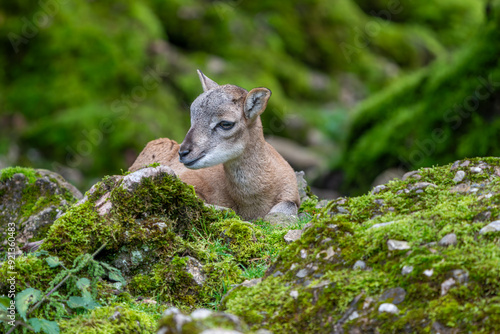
x=192, y=162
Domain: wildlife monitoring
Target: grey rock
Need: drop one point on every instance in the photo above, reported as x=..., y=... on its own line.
x=131, y=181
x=446, y=286
x=322, y=203
x=491, y=227
x=342, y=210
x=459, y=176
x=302, y=273
x=465, y=163
x=460, y=275
x=378, y=189
x=397, y=245
x=414, y=174
x=388, y=308
x=476, y=170
x=429, y=272
x=422, y=185
x=292, y=236
x=18, y=195
x=195, y=268
x=406, y=270
x=395, y=295
x=381, y=225
x=201, y=313
x=281, y=219
x=448, y=240
x=361, y=265
x=302, y=185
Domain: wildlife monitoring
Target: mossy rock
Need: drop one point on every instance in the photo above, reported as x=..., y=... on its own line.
x=30, y=201
x=397, y=231
x=114, y=319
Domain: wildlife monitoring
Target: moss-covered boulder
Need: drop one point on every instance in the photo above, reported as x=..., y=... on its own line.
x=415, y=256
x=30, y=201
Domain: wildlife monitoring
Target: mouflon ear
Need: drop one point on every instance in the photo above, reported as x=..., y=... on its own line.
x=206, y=82
x=256, y=102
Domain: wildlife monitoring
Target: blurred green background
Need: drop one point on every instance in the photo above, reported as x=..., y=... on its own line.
x=362, y=90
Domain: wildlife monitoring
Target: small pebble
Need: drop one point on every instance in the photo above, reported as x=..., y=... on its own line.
x=459, y=176
x=302, y=273
x=406, y=270
x=476, y=170
x=428, y=272
x=446, y=286
x=388, y=308
x=448, y=240
x=378, y=189
x=397, y=245
x=294, y=294
x=381, y=225
x=292, y=236
x=361, y=265
x=491, y=227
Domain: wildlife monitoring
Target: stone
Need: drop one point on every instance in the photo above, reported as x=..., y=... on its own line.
x=446, y=286
x=281, y=219
x=22, y=204
x=397, y=245
x=460, y=275
x=465, y=163
x=491, y=227
x=422, y=185
x=220, y=331
x=195, y=268
x=388, y=308
x=302, y=273
x=414, y=174
x=303, y=253
x=395, y=295
x=406, y=270
x=448, y=240
x=131, y=181
x=428, y=272
x=294, y=294
x=292, y=236
x=459, y=176
x=302, y=185
x=201, y=314
x=328, y=253
x=476, y=170
x=378, y=189
x=361, y=265
x=381, y=225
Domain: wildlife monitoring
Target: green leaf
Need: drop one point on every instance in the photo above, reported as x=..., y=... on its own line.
x=4, y=302
x=25, y=298
x=83, y=283
x=53, y=261
x=46, y=326
x=114, y=274
x=85, y=302
x=116, y=277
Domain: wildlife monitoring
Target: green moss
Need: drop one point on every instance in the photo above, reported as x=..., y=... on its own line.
x=113, y=319
x=319, y=265
x=7, y=173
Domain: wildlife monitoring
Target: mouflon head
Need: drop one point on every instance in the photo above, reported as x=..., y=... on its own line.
x=223, y=122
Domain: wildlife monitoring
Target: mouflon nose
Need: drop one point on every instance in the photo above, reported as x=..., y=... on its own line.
x=182, y=154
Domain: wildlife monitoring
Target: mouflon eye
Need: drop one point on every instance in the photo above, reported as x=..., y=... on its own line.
x=225, y=125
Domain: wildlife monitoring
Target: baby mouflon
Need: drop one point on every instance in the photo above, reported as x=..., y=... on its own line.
x=225, y=156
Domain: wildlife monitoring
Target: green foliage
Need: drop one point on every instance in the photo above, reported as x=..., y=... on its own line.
x=452, y=101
